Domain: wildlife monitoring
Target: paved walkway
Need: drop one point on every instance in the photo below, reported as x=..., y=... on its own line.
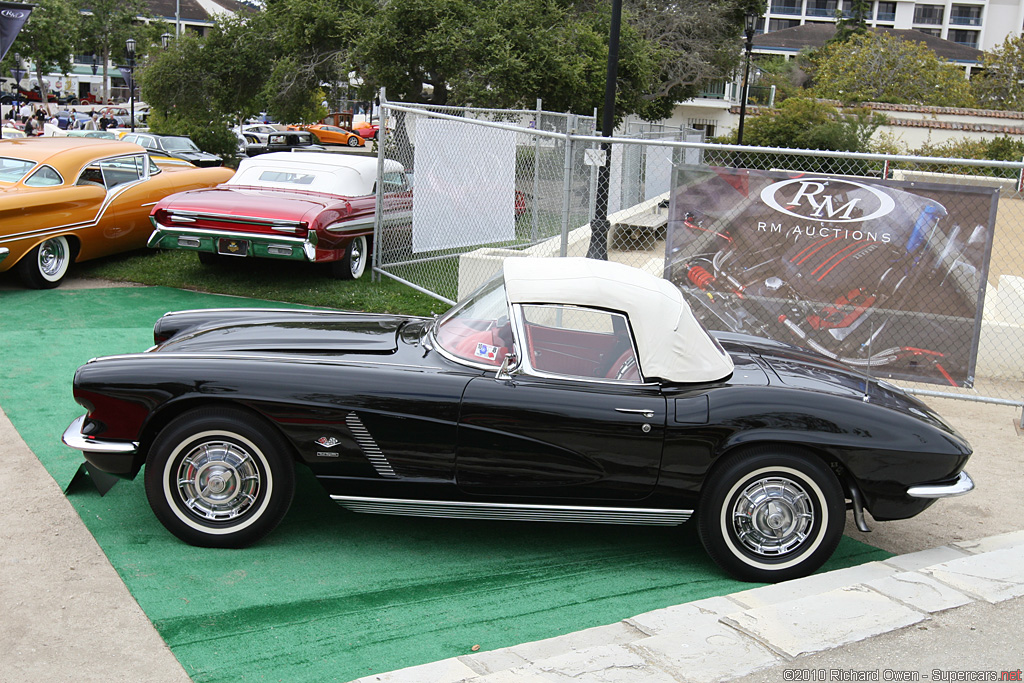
x=777, y=630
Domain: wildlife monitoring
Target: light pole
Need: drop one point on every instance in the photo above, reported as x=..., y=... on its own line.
x=129, y=46
x=752, y=18
x=165, y=40
x=599, y=225
x=17, y=73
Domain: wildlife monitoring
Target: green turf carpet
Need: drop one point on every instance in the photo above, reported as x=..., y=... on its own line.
x=330, y=595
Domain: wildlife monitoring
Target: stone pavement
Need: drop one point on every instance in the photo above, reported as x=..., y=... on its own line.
x=776, y=630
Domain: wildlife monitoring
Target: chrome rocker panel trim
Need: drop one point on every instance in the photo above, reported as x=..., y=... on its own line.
x=511, y=511
x=73, y=437
x=962, y=485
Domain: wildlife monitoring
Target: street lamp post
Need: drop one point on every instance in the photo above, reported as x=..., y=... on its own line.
x=165, y=40
x=130, y=53
x=599, y=225
x=749, y=30
x=17, y=73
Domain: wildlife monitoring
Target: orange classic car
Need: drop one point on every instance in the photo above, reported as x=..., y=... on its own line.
x=64, y=200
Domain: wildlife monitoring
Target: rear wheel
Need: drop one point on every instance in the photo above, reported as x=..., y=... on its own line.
x=219, y=478
x=771, y=515
x=45, y=266
x=353, y=264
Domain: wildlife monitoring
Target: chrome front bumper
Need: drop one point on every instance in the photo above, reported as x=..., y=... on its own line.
x=962, y=485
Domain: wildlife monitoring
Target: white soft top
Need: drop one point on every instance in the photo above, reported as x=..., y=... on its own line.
x=671, y=343
x=343, y=174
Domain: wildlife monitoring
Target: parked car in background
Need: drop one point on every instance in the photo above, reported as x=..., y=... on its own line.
x=304, y=206
x=177, y=146
x=104, y=134
x=67, y=199
x=569, y=390
x=11, y=132
x=333, y=135
x=256, y=133
x=367, y=130
x=285, y=141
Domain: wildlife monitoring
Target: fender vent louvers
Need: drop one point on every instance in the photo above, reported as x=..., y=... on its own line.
x=370, y=448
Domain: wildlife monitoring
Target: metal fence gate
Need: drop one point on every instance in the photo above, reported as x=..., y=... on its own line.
x=898, y=300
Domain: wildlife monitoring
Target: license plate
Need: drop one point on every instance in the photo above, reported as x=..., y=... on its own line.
x=230, y=247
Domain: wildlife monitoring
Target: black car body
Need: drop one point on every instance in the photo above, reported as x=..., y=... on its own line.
x=514, y=419
x=175, y=146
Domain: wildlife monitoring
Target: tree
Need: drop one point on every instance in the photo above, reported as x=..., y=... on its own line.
x=880, y=67
x=1001, y=83
x=854, y=24
x=202, y=86
x=48, y=39
x=804, y=123
x=105, y=27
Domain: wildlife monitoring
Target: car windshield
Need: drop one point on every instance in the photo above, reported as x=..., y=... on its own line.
x=13, y=170
x=180, y=144
x=477, y=330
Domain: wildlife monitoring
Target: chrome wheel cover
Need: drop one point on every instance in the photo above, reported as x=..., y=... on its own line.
x=772, y=516
x=53, y=258
x=357, y=256
x=218, y=481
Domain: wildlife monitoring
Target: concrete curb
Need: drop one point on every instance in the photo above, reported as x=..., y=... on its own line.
x=725, y=638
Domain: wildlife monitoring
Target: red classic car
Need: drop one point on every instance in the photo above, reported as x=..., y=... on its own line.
x=310, y=206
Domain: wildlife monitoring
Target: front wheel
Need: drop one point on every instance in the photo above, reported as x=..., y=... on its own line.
x=768, y=515
x=219, y=478
x=353, y=264
x=45, y=266
x=353, y=141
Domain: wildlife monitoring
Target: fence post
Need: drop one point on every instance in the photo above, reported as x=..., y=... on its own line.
x=536, y=171
x=378, y=220
x=570, y=128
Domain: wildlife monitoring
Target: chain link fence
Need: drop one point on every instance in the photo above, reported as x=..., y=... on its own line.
x=886, y=263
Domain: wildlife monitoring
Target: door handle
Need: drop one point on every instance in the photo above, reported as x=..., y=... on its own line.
x=637, y=411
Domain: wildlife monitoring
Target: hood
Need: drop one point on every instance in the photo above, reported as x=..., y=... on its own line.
x=281, y=332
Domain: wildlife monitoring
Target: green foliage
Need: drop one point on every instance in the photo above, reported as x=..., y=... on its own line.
x=879, y=67
x=1000, y=85
x=802, y=123
x=785, y=74
x=48, y=37
x=810, y=124
x=202, y=87
x=855, y=24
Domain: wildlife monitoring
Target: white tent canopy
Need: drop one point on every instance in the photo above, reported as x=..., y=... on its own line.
x=671, y=343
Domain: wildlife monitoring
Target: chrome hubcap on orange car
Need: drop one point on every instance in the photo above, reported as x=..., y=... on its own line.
x=52, y=257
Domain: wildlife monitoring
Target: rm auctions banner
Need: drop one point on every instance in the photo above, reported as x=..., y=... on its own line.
x=13, y=16
x=883, y=275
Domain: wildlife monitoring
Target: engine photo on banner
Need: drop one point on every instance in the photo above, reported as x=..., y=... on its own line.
x=886, y=276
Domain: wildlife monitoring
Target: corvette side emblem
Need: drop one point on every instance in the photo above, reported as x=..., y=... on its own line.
x=327, y=441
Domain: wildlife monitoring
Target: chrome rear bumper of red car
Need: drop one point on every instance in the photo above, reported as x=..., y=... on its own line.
x=262, y=245
x=962, y=485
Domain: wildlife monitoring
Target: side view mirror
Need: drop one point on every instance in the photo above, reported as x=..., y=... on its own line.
x=505, y=371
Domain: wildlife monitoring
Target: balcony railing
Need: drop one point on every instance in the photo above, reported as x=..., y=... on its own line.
x=886, y=16
x=714, y=91
x=965, y=21
x=821, y=12
x=778, y=8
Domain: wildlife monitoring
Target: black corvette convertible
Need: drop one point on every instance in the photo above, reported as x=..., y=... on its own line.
x=561, y=390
